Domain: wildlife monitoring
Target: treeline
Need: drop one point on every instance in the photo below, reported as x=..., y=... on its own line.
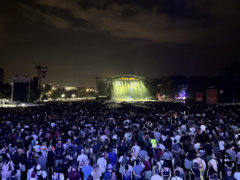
x=5, y=88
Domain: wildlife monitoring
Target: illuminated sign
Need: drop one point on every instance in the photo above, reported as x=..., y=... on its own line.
x=128, y=79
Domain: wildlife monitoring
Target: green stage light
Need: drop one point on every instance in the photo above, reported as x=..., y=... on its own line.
x=129, y=90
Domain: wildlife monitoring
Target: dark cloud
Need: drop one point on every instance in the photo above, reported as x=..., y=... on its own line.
x=157, y=21
x=81, y=39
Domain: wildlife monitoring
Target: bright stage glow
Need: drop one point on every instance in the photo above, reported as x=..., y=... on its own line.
x=182, y=95
x=129, y=90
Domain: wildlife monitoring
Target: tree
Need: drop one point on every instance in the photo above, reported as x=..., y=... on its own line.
x=5, y=90
x=168, y=87
x=1, y=75
x=57, y=93
x=232, y=80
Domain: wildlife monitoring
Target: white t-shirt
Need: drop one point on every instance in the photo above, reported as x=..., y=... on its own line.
x=197, y=146
x=161, y=146
x=178, y=137
x=102, y=164
x=157, y=135
x=238, y=158
x=103, y=137
x=37, y=148
x=136, y=149
x=200, y=161
x=184, y=128
x=236, y=175
x=192, y=130
x=81, y=159
x=164, y=138
x=221, y=145
x=52, y=124
x=203, y=128
x=156, y=177
x=176, y=178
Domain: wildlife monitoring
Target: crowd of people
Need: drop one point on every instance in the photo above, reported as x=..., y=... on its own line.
x=93, y=140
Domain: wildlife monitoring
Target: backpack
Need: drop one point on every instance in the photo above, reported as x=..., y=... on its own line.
x=166, y=172
x=159, y=153
x=33, y=175
x=201, y=166
x=39, y=176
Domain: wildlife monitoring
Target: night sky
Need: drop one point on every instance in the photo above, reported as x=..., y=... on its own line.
x=79, y=40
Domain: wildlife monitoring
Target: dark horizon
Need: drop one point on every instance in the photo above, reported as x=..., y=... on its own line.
x=81, y=40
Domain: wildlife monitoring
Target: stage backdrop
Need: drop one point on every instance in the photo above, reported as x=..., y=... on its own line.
x=211, y=96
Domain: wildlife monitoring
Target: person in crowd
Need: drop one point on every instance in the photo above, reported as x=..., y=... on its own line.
x=7, y=169
x=213, y=167
x=96, y=172
x=74, y=174
x=86, y=169
x=147, y=140
x=38, y=173
x=166, y=171
x=137, y=169
x=102, y=163
x=108, y=174
x=57, y=175
x=81, y=159
x=147, y=168
x=126, y=174
x=177, y=176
